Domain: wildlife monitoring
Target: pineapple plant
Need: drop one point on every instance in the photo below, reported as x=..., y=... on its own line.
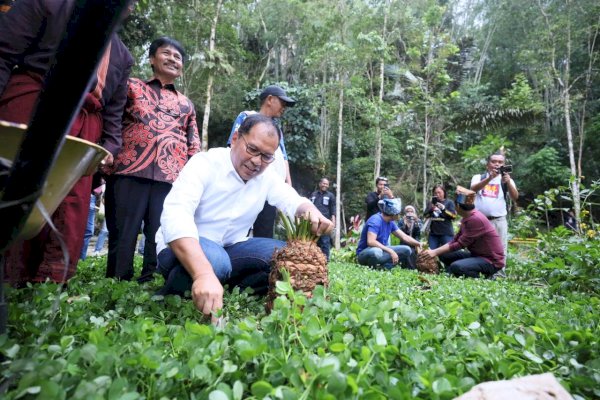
x=300, y=258
x=427, y=265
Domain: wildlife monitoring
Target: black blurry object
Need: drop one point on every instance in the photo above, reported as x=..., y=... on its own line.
x=505, y=169
x=434, y=200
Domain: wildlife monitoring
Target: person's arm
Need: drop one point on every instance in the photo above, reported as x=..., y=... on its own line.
x=373, y=242
x=449, y=210
x=476, y=186
x=288, y=177
x=510, y=185
x=332, y=209
x=406, y=238
x=207, y=291
x=193, y=139
x=112, y=114
x=430, y=253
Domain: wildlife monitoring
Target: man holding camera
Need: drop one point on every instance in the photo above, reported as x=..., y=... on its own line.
x=492, y=188
x=383, y=192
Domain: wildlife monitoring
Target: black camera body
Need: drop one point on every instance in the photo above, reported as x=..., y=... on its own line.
x=505, y=169
x=434, y=200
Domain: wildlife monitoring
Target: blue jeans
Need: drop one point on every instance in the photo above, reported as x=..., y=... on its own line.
x=374, y=256
x=244, y=264
x=102, y=235
x=89, y=228
x=436, y=241
x=462, y=263
x=324, y=244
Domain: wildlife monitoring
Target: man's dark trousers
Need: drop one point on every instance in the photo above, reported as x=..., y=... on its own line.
x=462, y=263
x=324, y=244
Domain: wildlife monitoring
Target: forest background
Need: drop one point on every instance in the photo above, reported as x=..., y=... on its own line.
x=420, y=91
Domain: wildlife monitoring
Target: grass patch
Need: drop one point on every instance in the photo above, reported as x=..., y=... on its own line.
x=370, y=335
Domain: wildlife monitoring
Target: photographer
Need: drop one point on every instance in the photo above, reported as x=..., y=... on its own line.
x=383, y=192
x=410, y=223
x=441, y=211
x=412, y=226
x=492, y=188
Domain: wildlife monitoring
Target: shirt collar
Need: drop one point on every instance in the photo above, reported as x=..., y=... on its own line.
x=156, y=81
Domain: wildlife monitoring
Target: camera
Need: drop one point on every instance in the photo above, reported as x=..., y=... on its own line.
x=387, y=185
x=505, y=169
x=434, y=200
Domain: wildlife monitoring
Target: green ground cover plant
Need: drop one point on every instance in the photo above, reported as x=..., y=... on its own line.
x=370, y=335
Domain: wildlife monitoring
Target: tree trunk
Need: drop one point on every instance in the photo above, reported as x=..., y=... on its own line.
x=209, y=84
x=426, y=154
x=338, y=189
x=380, y=97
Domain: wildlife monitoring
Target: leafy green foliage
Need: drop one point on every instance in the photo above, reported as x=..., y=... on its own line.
x=565, y=262
x=371, y=335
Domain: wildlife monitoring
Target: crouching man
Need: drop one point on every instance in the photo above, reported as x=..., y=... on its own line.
x=373, y=247
x=202, y=242
x=485, y=252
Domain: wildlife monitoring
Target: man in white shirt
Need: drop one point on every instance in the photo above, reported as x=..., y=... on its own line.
x=492, y=188
x=203, y=241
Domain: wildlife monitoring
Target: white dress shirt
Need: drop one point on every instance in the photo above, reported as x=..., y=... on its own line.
x=210, y=200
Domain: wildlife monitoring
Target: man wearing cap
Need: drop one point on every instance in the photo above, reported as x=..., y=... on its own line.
x=202, y=242
x=374, y=245
x=273, y=102
x=382, y=191
x=484, y=253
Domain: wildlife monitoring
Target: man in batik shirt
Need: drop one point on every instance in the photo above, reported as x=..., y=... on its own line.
x=160, y=134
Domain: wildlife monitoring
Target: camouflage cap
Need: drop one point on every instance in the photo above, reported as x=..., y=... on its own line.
x=390, y=206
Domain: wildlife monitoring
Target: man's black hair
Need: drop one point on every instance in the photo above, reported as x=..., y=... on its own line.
x=380, y=178
x=256, y=119
x=498, y=153
x=466, y=207
x=166, y=41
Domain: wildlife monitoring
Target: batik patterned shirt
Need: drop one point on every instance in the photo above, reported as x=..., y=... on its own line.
x=159, y=132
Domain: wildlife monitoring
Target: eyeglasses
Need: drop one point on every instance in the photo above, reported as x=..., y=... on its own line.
x=267, y=158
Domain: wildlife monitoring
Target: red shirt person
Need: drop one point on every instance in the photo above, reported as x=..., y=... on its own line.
x=160, y=134
x=484, y=252
x=30, y=33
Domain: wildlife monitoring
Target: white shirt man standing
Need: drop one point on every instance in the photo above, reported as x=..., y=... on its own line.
x=491, y=190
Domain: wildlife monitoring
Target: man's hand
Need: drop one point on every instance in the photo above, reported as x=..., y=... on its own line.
x=319, y=224
x=108, y=160
x=429, y=253
x=207, y=294
x=387, y=192
x=505, y=178
x=394, y=256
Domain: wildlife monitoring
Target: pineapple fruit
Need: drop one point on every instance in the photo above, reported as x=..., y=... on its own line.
x=427, y=265
x=301, y=258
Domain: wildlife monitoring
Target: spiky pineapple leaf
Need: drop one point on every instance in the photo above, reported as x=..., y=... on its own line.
x=299, y=229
